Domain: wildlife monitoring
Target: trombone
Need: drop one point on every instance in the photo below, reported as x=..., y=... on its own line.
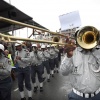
x=87, y=37
x=13, y=38
x=29, y=26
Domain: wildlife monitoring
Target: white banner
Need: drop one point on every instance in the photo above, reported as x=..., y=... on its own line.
x=70, y=20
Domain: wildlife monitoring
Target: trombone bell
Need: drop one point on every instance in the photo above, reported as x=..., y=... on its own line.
x=56, y=39
x=88, y=37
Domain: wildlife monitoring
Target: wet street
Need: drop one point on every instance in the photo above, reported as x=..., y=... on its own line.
x=56, y=89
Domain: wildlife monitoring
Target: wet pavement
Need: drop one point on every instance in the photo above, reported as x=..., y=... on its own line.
x=57, y=89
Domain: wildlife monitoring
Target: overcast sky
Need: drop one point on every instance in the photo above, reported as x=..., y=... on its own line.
x=47, y=12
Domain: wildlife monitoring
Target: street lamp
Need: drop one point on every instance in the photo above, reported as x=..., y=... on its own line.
x=10, y=1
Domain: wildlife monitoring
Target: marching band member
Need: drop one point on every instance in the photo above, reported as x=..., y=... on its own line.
x=56, y=59
x=52, y=55
x=5, y=78
x=36, y=67
x=22, y=57
x=10, y=57
x=84, y=66
x=46, y=57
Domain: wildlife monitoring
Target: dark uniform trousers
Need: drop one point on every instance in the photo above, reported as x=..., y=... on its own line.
x=24, y=74
x=59, y=56
x=56, y=62
x=36, y=69
x=5, y=89
x=51, y=62
x=47, y=66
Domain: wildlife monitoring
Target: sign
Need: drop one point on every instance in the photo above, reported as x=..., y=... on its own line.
x=70, y=20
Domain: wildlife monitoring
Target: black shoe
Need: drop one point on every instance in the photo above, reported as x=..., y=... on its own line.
x=44, y=79
x=23, y=98
x=54, y=71
x=30, y=98
x=48, y=80
x=57, y=71
x=52, y=75
x=41, y=89
x=35, y=89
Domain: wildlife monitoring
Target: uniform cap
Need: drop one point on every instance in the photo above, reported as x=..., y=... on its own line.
x=34, y=45
x=43, y=46
x=1, y=47
x=17, y=44
x=53, y=45
x=48, y=46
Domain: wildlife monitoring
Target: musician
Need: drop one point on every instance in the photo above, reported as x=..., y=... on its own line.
x=56, y=59
x=46, y=57
x=36, y=68
x=5, y=78
x=59, y=54
x=10, y=57
x=51, y=51
x=22, y=57
x=84, y=66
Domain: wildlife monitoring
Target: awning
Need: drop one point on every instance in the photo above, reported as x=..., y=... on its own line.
x=9, y=11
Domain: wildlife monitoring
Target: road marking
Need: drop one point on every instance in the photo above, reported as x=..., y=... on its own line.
x=16, y=90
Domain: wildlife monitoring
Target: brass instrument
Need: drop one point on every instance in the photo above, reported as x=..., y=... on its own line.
x=14, y=39
x=56, y=39
x=29, y=26
x=8, y=38
x=88, y=37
